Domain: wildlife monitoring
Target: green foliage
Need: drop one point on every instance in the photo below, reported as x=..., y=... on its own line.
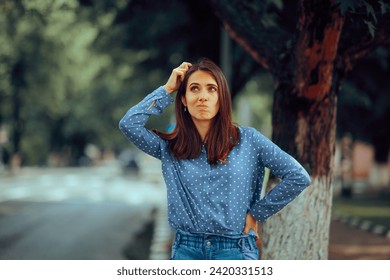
x=367, y=9
x=346, y=5
x=371, y=27
x=277, y=3
x=62, y=97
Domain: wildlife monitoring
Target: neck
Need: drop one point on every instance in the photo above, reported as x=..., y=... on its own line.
x=203, y=128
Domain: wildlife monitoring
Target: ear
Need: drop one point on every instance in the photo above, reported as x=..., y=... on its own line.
x=183, y=100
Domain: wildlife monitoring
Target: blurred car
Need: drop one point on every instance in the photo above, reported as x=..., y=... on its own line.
x=129, y=162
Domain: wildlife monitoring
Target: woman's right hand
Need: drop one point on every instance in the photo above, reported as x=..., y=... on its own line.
x=177, y=77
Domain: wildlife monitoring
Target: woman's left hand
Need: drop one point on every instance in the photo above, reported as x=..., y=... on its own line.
x=250, y=223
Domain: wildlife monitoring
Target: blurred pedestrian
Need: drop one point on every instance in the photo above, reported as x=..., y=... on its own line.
x=213, y=168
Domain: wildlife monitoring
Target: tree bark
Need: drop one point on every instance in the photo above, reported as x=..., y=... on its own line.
x=304, y=122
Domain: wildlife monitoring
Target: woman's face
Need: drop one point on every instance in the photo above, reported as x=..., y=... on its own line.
x=201, y=97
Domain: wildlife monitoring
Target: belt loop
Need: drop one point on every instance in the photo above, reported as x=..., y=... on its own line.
x=240, y=243
x=177, y=238
x=250, y=243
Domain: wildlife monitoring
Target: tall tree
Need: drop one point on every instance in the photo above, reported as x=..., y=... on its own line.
x=308, y=46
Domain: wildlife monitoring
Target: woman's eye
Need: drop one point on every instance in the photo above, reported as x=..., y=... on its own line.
x=212, y=89
x=194, y=89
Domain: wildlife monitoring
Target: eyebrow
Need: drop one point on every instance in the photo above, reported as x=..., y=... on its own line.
x=215, y=85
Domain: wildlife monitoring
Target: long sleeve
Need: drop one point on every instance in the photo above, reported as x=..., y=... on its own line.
x=133, y=123
x=294, y=178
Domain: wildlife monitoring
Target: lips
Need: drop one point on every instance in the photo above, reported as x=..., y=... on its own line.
x=203, y=108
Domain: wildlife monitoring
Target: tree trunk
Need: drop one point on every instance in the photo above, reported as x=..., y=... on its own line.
x=18, y=83
x=17, y=123
x=304, y=122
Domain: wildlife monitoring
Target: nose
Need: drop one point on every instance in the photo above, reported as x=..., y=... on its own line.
x=203, y=96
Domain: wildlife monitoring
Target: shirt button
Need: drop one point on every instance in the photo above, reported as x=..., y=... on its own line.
x=208, y=243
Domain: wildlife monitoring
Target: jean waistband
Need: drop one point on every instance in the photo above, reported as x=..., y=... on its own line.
x=251, y=233
x=220, y=241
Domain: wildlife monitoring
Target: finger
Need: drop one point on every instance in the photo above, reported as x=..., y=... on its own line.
x=185, y=65
x=179, y=73
x=250, y=223
x=182, y=68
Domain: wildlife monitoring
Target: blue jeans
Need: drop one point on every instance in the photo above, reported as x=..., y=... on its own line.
x=189, y=246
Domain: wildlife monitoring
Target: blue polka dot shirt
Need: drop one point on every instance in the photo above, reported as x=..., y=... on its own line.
x=215, y=199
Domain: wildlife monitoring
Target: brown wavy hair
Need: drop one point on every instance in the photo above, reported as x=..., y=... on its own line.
x=185, y=141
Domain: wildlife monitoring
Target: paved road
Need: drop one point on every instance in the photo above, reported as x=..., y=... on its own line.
x=77, y=213
x=68, y=230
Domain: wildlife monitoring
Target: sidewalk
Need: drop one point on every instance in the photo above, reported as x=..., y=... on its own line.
x=350, y=243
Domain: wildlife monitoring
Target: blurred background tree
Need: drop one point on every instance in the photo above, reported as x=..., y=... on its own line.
x=365, y=99
x=48, y=68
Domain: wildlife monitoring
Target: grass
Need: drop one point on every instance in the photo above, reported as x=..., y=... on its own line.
x=371, y=207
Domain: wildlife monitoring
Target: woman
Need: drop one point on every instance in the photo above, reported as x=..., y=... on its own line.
x=213, y=169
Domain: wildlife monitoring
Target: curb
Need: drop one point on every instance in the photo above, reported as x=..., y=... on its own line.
x=162, y=236
x=362, y=224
